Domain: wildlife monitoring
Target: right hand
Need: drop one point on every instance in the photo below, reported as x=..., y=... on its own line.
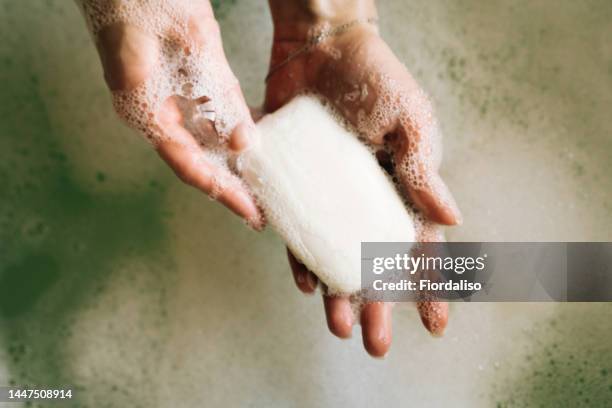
x=356, y=72
x=131, y=59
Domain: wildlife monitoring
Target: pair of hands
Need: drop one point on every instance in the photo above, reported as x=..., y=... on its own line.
x=356, y=71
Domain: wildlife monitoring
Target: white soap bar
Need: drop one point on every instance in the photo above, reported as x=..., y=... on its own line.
x=323, y=191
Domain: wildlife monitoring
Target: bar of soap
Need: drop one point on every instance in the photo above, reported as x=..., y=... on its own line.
x=323, y=191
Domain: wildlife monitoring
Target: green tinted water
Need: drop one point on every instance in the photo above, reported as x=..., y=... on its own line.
x=116, y=279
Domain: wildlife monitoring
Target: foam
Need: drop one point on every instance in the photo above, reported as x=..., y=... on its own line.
x=195, y=73
x=406, y=106
x=188, y=66
x=323, y=191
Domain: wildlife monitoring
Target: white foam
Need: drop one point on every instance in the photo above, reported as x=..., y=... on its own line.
x=189, y=65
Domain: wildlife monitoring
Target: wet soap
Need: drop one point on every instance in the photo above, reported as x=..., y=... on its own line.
x=323, y=191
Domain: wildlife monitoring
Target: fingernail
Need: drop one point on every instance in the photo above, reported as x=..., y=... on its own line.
x=376, y=327
x=248, y=209
x=449, y=201
x=456, y=211
x=437, y=335
x=346, y=319
x=311, y=281
x=300, y=278
x=434, y=316
x=434, y=328
x=339, y=316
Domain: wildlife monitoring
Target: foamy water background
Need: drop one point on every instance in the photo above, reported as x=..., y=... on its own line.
x=117, y=279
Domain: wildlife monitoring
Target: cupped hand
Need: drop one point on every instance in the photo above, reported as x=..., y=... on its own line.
x=172, y=82
x=364, y=81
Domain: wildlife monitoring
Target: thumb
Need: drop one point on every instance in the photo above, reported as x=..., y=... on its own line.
x=234, y=120
x=418, y=173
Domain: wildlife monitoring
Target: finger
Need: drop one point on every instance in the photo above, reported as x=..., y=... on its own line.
x=434, y=316
x=417, y=171
x=428, y=231
x=339, y=315
x=305, y=280
x=231, y=112
x=193, y=167
x=233, y=115
x=239, y=139
x=244, y=132
x=376, y=328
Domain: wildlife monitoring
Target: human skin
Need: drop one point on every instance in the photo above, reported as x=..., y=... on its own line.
x=337, y=68
x=129, y=56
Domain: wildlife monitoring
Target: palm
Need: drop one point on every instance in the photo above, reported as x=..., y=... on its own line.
x=361, y=77
x=182, y=135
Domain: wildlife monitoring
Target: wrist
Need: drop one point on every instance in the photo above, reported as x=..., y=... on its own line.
x=295, y=20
